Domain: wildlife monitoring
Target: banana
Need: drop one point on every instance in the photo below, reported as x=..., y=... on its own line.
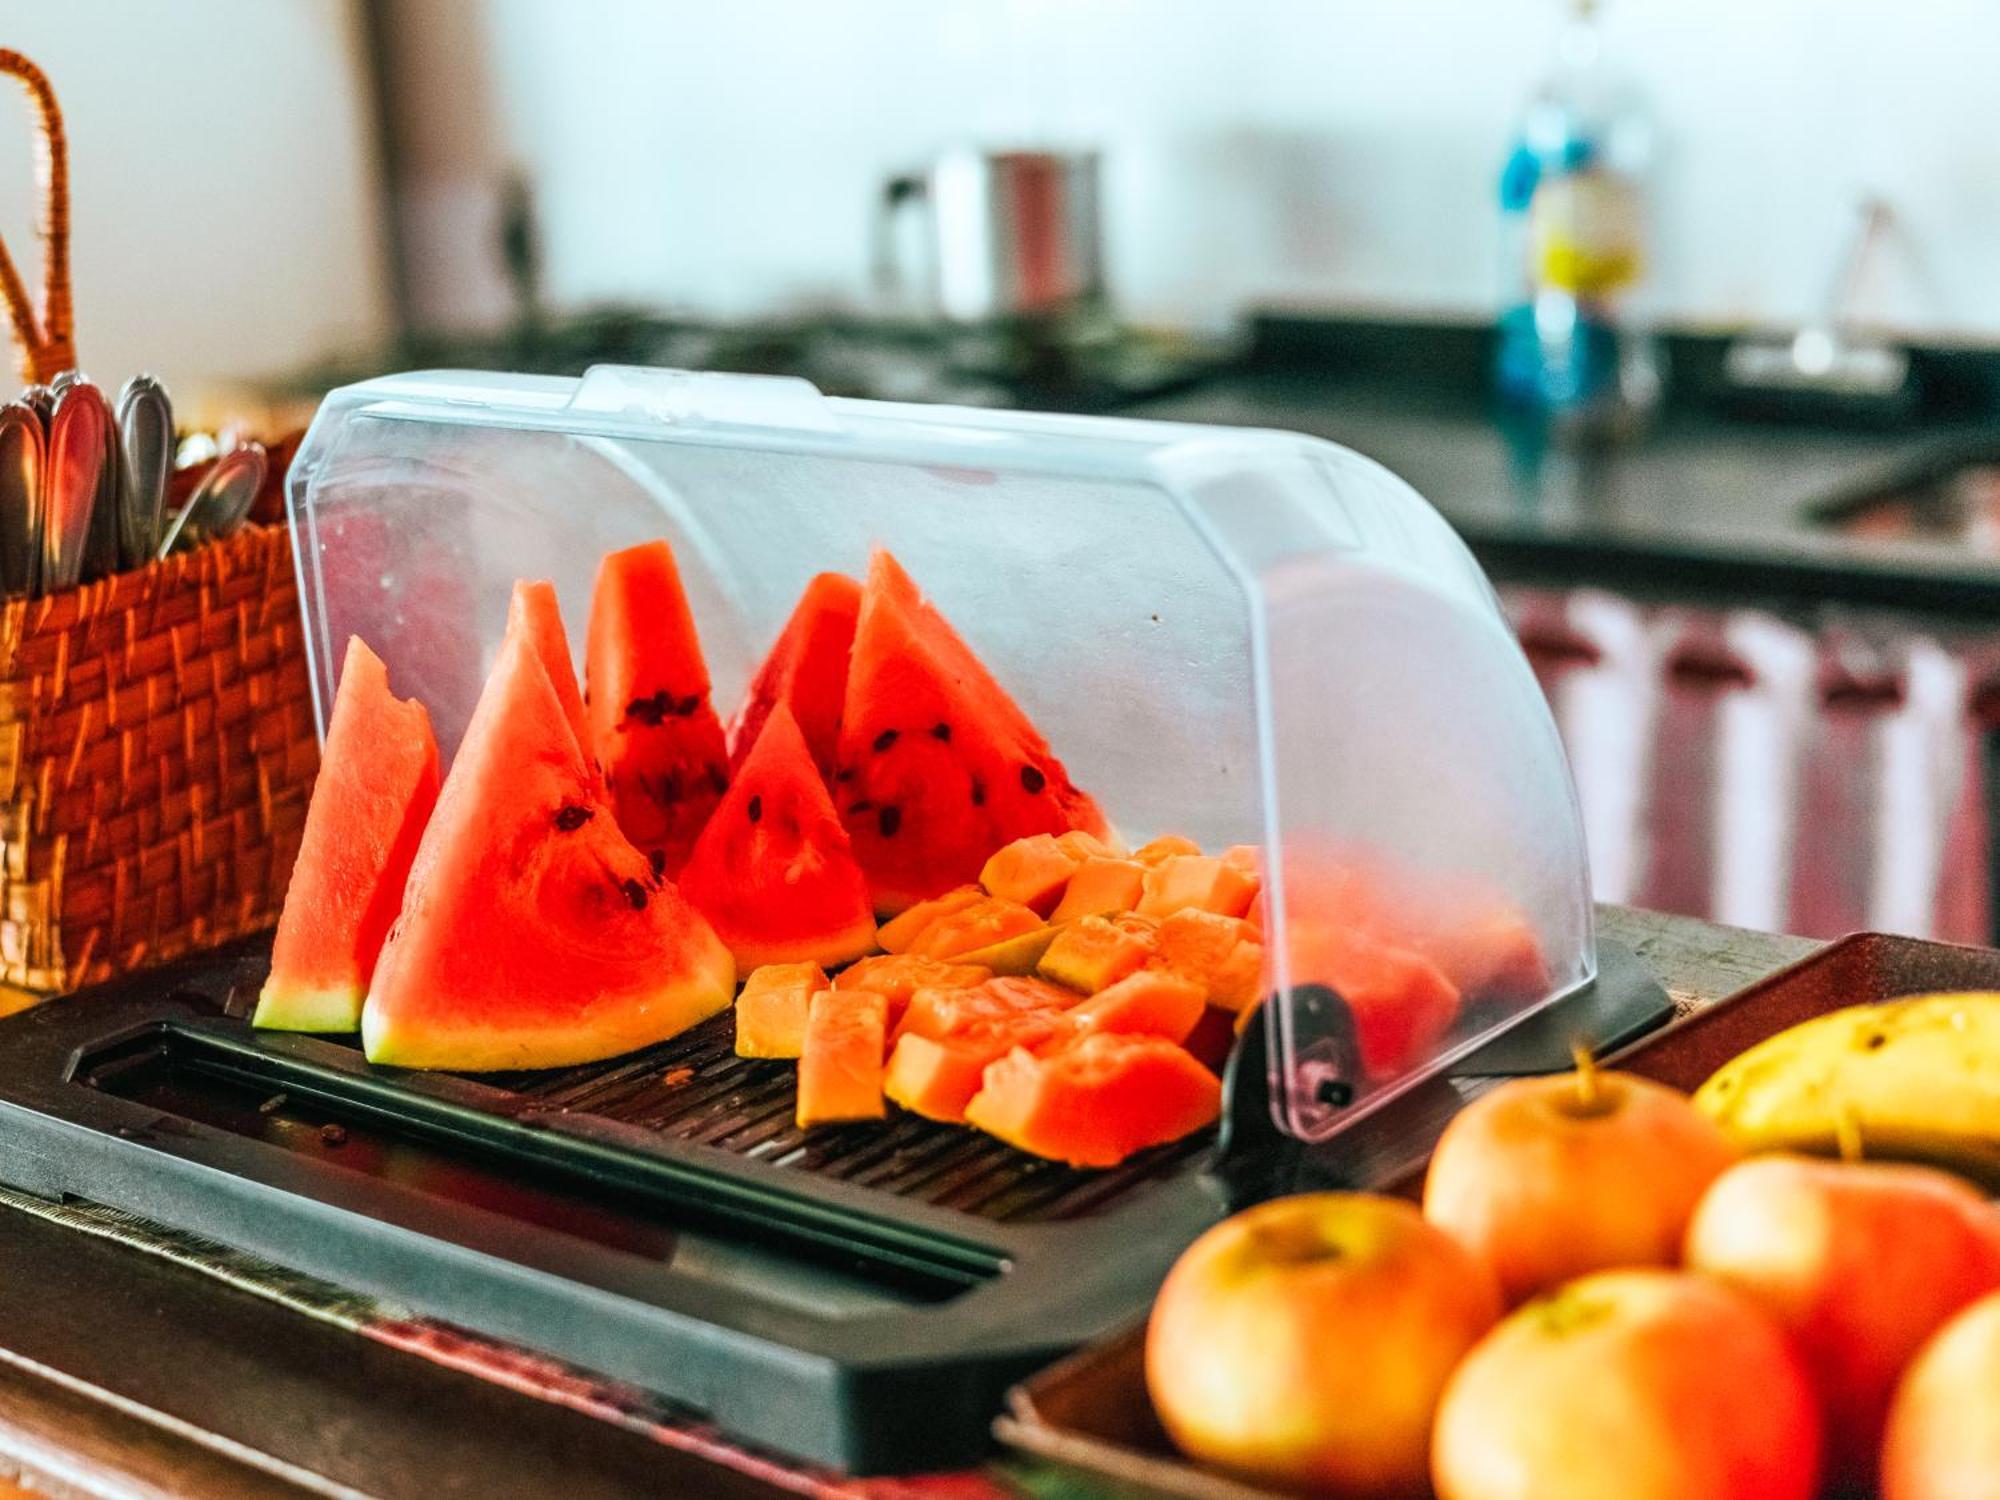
x=1917, y=1079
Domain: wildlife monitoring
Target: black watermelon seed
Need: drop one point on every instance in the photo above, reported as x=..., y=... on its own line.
x=658, y=859
x=845, y=774
x=978, y=792
x=634, y=893
x=651, y=710
x=719, y=779
x=572, y=816
x=889, y=819
x=940, y=731
x=670, y=789
x=756, y=808
x=1032, y=779
x=688, y=705
x=885, y=739
x=856, y=809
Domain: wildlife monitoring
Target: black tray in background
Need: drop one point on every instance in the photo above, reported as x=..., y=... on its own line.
x=860, y=1298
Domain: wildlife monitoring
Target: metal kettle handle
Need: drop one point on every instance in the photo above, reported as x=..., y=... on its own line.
x=898, y=193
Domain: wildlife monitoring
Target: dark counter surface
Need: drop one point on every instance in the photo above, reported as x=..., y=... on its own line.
x=1698, y=503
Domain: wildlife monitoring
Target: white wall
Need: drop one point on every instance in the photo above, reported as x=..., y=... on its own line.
x=224, y=215
x=722, y=154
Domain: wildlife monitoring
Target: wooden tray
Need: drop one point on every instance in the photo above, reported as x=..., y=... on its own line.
x=1091, y=1411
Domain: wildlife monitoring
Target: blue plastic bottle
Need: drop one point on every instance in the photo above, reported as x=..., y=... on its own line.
x=1572, y=202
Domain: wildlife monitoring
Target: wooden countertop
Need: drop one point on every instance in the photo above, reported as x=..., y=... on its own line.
x=124, y=1374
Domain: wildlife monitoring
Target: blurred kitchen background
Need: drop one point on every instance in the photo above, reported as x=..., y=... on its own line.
x=1686, y=312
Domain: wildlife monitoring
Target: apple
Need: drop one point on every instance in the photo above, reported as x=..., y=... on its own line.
x=1546, y=1179
x=1304, y=1342
x=1860, y=1262
x=1630, y=1385
x=1943, y=1441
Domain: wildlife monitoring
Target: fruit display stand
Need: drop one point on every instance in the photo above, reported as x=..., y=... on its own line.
x=1250, y=640
x=1091, y=1412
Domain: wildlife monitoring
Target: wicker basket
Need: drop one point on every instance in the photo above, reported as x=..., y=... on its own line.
x=156, y=754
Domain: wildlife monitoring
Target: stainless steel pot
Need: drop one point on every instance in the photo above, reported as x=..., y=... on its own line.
x=1011, y=234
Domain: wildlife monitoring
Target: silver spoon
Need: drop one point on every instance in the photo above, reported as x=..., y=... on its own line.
x=221, y=501
x=42, y=400
x=101, y=546
x=146, y=439
x=80, y=448
x=20, y=498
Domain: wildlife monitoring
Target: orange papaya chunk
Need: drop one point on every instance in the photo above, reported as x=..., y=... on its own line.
x=1096, y=1101
x=1239, y=982
x=771, y=1011
x=985, y=922
x=1196, y=944
x=937, y=1014
x=898, y=976
x=840, y=1065
x=1101, y=885
x=1166, y=846
x=1245, y=857
x=937, y=1076
x=1148, y=1003
x=1084, y=845
x=1033, y=871
x=1199, y=881
x=1092, y=953
x=896, y=934
x=1401, y=1002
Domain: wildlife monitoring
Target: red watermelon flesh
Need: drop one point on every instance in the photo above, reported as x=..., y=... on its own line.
x=654, y=729
x=533, y=934
x=773, y=872
x=533, y=611
x=937, y=766
x=806, y=670
x=377, y=783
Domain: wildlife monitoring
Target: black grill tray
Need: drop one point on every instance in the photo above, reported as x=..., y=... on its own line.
x=860, y=1297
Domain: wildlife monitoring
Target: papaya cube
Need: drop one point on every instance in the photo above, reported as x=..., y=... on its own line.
x=1202, y=946
x=1200, y=881
x=1239, y=982
x=896, y=934
x=771, y=1011
x=1148, y=1003
x=1245, y=857
x=1017, y=955
x=1101, y=885
x=1096, y=1101
x=898, y=976
x=1166, y=846
x=938, y=1013
x=937, y=1076
x=1032, y=871
x=840, y=1065
x=1092, y=953
x=985, y=922
x=1089, y=846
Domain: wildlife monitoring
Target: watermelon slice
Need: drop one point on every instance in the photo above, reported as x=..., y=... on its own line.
x=806, y=670
x=936, y=766
x=533, y=934
x=533, y=612
x=773, y=872
x=377, y=782
x=651, y=723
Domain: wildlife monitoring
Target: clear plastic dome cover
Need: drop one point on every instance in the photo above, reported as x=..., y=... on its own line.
x=1246, y=637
